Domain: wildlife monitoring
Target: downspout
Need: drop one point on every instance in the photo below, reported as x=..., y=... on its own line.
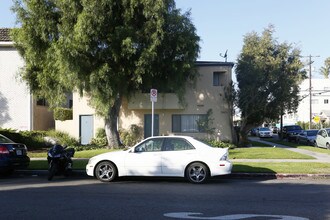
x=31, y=114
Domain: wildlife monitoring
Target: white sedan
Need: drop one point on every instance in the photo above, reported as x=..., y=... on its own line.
x=264, y=132
x=170, y=156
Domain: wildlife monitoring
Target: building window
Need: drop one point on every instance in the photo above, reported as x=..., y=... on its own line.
x=216, y=78
x=326, y=101
x=42, y=102
x=187, y=123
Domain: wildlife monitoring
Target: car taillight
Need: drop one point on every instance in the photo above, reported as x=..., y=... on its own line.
x=3, y=150
x=224, y=157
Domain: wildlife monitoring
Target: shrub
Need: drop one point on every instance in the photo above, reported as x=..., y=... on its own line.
x=219, y=144
x=63, y=114
x=62, y=138
x=36, y=140
x=132, y=136
x=305, y=125
x=100, y=139
x=32, y=139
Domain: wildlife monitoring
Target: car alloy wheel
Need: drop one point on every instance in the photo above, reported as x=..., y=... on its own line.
x=197, y=173
x=106, y=171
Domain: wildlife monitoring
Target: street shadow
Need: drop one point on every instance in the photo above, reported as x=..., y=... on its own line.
x=255, y=172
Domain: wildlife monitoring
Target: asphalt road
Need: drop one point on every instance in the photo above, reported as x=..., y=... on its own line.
x=33, y=197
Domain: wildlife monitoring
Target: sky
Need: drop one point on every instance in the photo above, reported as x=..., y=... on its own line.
x=222, y=25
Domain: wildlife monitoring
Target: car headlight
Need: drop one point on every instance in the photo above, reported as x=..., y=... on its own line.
x=91, y=160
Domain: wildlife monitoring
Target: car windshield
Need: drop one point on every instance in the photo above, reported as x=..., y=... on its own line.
x=4, y=140
x=312, y=133
x=328, y=130
x=264, y=129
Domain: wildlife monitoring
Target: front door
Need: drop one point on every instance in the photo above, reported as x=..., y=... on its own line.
x=145, y=159
x=147, y=125
x=86, y=128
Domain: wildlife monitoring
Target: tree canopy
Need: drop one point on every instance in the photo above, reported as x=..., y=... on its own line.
x=105, y=49
x=268, y=76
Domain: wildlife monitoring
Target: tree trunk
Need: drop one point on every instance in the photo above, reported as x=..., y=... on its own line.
x=111, y=125
x=243, y=134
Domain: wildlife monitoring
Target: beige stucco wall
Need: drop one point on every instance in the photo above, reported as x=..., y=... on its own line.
x=80, y=107
x=198, y=100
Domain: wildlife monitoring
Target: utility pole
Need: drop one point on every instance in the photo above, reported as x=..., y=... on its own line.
x=310, y=90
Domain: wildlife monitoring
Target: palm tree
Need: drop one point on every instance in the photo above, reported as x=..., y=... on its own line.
x=325, y=70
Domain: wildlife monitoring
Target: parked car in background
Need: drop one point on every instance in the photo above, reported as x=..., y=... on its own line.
x=307, y=137
x=176, y=156
x=264, y=132
x=274, y=129
x=253, y=131
x=12, y=155
x=323, y=138
x=290, y=132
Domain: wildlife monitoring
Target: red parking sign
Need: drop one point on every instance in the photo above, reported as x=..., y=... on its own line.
x=153, y=95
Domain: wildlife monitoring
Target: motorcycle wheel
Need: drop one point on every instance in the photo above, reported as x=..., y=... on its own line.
x=51, y=171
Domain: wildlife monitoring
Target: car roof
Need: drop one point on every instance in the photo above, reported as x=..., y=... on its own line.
x=190, y=139
x=173, y=136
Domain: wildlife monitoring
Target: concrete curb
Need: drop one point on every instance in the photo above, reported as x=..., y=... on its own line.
x=279, y=176
x=82, y=173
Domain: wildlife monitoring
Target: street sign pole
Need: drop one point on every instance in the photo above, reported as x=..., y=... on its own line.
x=152, y=118
x=153, y=99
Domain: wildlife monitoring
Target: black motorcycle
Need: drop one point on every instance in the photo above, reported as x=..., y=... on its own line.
x=59, y=161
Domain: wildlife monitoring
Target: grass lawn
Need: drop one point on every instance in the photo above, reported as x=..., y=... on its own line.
x=287, y=167
x=77, y=154
x=265, y=153
x=43, y=164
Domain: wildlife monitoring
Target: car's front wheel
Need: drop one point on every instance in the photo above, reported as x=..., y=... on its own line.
x=328, y=146
x=106, y=171
x=197, y=173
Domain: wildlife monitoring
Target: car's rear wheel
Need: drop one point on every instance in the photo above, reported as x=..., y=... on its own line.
x=328, y=146
x=197, y=173
x=106, y=171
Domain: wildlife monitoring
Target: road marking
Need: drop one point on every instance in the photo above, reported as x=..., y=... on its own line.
x=196, y=215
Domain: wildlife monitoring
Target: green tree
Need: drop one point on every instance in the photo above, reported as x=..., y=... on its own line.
x=325, y=70
x=268, y=76
x=104, y=49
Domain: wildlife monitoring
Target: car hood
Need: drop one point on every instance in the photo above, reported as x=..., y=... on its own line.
x=112, y=154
